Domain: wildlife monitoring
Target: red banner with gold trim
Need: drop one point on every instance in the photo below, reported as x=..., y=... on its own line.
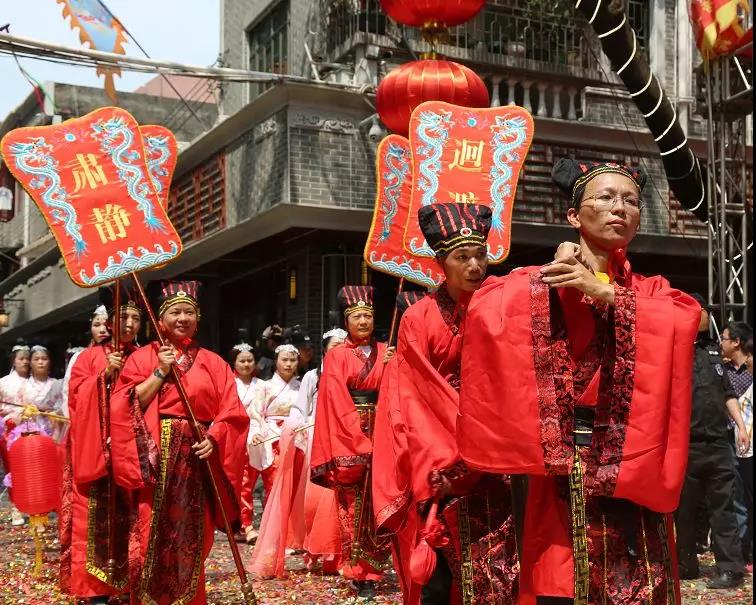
x=91, y=182
x=474, y=156
x=384, y=250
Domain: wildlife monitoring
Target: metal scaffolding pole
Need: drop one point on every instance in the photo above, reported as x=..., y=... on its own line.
x=729, y=95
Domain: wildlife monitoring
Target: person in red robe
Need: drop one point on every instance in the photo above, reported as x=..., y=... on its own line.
x=469, y=555
x=342, y=442
x=578, y=375
x=87, y=512
x=156, y=455
x=391, y=458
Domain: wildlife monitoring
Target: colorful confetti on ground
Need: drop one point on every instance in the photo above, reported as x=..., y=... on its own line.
x=18, y=586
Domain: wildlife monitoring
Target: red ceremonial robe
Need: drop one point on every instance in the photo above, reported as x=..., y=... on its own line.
x=534, y=357
x=342, y=448
x=482, y=550
x=84, y=538
x=391, y=481
x=152, y=454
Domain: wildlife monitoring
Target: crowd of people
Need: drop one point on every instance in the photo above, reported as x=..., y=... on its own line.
x=529, y=438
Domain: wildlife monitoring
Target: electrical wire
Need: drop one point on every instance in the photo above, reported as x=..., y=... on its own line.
x=39, y=91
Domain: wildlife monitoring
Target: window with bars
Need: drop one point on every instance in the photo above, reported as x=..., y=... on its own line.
x=7, y=195
x=639, y=17
x=197, y=204
x=269, y=44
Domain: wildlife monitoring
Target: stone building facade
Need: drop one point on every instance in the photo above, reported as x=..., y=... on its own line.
x=274, y=202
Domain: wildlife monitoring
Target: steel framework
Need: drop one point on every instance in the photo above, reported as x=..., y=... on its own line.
x=729, y=96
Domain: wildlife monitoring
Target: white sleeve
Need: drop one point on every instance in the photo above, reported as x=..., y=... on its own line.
x=66, y=380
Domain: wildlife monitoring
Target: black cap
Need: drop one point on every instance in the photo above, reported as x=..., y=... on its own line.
x=571, y=176
x=453, y=225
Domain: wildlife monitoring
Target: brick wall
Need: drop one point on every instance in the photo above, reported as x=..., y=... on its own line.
x=332, y=163
x=238, y=16
x=670, y=47
x=257, y=169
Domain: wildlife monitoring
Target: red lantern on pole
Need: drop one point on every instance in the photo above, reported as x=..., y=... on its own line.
x=37, y=474
x=415, y=82
x=432, y=14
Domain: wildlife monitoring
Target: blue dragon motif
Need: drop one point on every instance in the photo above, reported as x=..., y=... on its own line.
x=129, y=262
x=404, y=268
x=116, y=138
x=398, y=164
x=159, y=145
x=431, y=151
x=33, y=157
x=509, y=133
x=433, y=131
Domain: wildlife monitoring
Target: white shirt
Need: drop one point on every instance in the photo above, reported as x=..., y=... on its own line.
x=67, y=380
x=746, y=410
x=303, y=412
x=247, y=393
x=11, y=391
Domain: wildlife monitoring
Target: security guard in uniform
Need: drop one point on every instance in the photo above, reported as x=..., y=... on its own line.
x=711, y=469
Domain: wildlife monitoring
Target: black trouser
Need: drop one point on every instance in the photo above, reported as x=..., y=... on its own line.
x=711, y=476
x=745, y=468
x=438, y=589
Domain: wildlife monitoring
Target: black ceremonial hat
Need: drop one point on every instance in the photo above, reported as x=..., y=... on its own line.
x=571, y=176
x=168, y=293
x=355, y=298
x=452, y=225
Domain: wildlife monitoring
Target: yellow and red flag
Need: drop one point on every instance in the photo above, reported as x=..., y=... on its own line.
x=474, y=156
x=90, y=178
x=100, y=30
x=718, y=25
x=384, y=251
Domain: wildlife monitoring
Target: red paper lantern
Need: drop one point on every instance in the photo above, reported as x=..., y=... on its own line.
x=37, y=474
x=415, y=82
x=432, y=13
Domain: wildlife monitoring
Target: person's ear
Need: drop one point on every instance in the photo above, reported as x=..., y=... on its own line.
x=573, y=218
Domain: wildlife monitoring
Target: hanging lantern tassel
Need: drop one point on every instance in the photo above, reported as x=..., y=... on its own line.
x=37, y=527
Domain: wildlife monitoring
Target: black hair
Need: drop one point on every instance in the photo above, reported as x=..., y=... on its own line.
x=748, y=347
x=740, y=331
x=324, y=347
x=234, y=354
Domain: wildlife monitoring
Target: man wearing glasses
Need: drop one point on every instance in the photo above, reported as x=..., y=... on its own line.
x=578, y=375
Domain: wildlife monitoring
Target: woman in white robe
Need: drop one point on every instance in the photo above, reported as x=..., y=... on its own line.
x=244, y=364
x=10, y=388
x=271, y=405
